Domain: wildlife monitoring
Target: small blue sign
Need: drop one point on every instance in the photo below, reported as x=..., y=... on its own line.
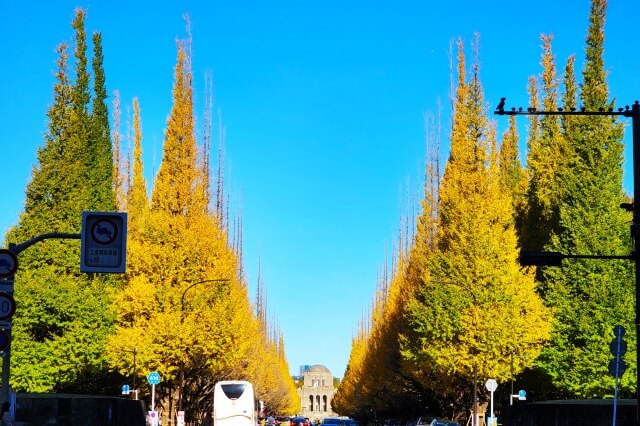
x=522, y=394
x=125, y=389
x=153, y=378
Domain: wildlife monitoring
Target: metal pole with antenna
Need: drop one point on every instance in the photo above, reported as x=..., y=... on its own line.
x=634, y=114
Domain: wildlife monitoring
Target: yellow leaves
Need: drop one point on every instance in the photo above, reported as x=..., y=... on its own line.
x=185, y=306
x=135, y=301
x=270, y=374
x=178, y=187
x=138, y=202
x=459, y=305
x=122, y=346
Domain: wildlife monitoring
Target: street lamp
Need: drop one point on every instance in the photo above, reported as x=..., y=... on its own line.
x=466, y=287
x=511, y=397
x=556, y=258
x=134, y=351
x=184, y=293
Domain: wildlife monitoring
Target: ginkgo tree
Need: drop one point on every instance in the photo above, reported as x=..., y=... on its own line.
x=64, y=317
x=185, y=309
x=458, y=305
x=589, y=297
x=475, y=306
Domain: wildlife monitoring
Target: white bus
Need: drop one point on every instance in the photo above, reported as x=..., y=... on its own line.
x=234, y=404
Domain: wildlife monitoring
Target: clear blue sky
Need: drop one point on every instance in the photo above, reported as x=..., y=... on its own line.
x=322, y=104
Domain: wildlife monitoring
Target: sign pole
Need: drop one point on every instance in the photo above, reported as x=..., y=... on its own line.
x=7, y=309
x=108, y=230
x=491, y=408
x=634, y=114
x=617, y=365
x=6, y=366
x=491, y=386
x=635, y=234
x=153, y=378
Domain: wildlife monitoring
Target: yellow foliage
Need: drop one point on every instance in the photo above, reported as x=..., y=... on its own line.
x=458, y=303
x=185, y=306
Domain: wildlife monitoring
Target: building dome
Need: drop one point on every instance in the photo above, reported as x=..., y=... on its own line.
x=318, y=369
x=316, y=392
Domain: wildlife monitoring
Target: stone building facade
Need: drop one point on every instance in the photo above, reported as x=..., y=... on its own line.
x=316, y=393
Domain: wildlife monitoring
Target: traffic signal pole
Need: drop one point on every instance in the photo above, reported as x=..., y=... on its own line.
x=634, y=114
x=635, y=234
x=16, y=249
x=103, y=249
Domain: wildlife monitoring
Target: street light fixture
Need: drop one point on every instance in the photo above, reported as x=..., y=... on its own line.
x=466, y=287
x=513, y=395
x=555, y=258
x=134, y=351
x=184, y=293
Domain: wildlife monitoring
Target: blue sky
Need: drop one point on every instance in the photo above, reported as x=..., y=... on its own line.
x=323, y=107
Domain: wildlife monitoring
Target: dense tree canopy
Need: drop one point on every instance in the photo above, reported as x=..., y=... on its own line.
x=64, y=317
x=471, y=311
x=590, y=297
x=182, y=308
x=452, y=307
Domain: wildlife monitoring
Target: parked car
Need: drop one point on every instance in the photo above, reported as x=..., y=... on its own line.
x=299, y=421
x=330, y=421
x=433, y=421
x=283, y=420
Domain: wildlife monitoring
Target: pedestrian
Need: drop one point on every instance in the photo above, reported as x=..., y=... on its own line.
x=207, y=420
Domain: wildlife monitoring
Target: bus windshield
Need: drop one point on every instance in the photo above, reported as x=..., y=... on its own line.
x=234, y=404
x=234, y=390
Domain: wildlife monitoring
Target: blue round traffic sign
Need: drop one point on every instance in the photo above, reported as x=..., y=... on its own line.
x=617, y=367
x=8, y=263
x=153, y=378
x=7, y=306
x=618, y=348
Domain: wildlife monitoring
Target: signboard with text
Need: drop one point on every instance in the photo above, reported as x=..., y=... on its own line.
x=104, y=242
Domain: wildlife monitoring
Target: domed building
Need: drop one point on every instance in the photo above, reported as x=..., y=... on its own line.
x=316, y=393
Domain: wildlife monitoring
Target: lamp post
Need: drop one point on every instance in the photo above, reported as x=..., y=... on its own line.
x=475, y=328
x=511, y=397
x=134, y=351
x=555, y=259
x=184, y=293
x=135, y=372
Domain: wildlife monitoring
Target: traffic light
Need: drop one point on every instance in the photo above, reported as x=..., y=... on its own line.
x=541, y=258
